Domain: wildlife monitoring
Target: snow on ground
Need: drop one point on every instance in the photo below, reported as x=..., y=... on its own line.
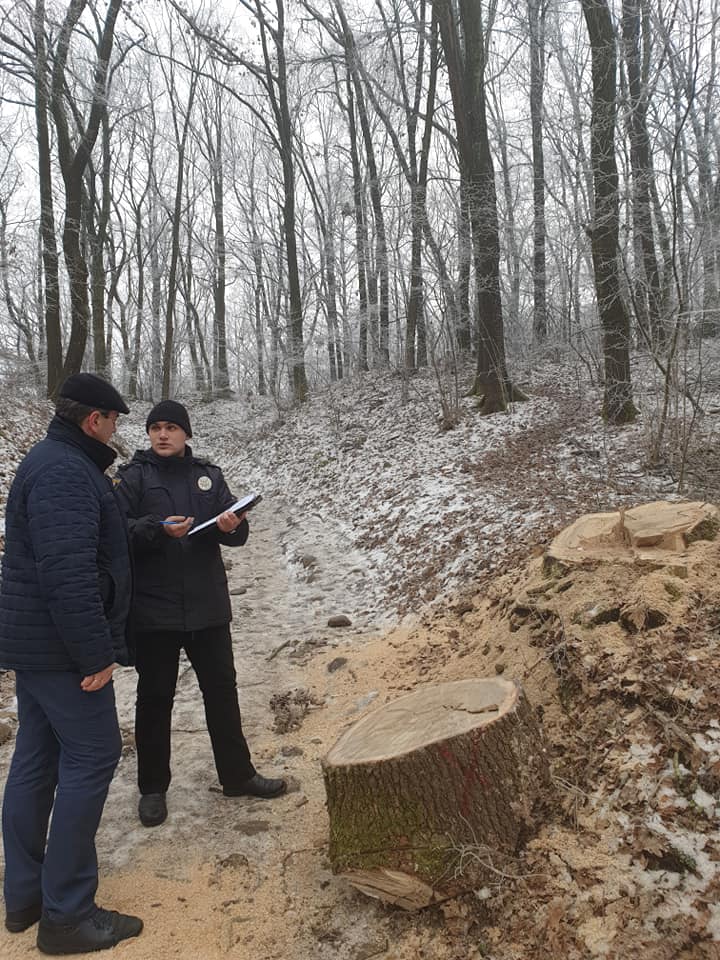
x=434, y=511
x=422, y=512
x=371, y=509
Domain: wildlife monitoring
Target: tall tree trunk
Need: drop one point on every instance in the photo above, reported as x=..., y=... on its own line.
x=618, y=405
x=536, y=20
x=512, y=247
x=181, y=137
x=192, y=326
x=96, y=230
x=155, y=300
x=465, y=313
x=17, y=314
x=360, y=229
x=415, y=326
x=262, y=310
x=50, y=258
x=334, y=343
x=73, y=164
x=276, y=84
x=466, y=68
x=642, y=171
x=214, y=140
x=382, y=345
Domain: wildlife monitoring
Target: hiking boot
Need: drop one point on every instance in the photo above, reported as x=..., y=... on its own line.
x=18, y=920
x=257, y=786
x=152, y=809
x=100, y=931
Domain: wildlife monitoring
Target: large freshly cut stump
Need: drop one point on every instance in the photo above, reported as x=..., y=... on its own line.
x=657, y=534
x=431, y=794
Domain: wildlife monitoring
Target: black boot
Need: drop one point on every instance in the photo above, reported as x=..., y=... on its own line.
x=18, y=920
x=100, y=931
x=152, y=809
x=257, y=786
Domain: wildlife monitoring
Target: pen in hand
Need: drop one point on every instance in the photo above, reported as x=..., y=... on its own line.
x=176, y=527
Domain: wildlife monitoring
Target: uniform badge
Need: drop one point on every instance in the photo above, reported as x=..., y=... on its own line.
x=205, y=483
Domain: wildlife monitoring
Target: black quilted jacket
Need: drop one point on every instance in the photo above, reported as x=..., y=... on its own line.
x=180, y=584
x=66, y=579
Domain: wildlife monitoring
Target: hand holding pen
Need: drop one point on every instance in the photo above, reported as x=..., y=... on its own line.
x=177, y=527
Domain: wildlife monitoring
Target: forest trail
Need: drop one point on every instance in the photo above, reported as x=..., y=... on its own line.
x=620, y=661
x=238, y=877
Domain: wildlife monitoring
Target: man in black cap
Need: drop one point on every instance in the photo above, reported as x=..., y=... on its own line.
x=181, y=602
x=64, y=600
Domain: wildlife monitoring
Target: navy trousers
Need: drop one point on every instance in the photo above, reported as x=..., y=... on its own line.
x=156, y=661
x=67, y=747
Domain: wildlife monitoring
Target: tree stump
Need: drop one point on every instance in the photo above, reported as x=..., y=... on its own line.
x=431, y=795
x=655, y=534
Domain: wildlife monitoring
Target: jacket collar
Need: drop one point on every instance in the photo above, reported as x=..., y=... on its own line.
x=167, y=463
x=100, y=453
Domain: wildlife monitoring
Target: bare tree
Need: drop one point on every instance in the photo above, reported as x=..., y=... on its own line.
x=618, y=405
x=50, y=256
x=181, y=121
x=73, y=161
x=464, y=47
x=536, y=23
x=637, y=66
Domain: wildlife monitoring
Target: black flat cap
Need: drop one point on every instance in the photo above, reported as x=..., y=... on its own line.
x=93, y=391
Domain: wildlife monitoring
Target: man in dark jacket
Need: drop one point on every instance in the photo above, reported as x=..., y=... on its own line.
x=181, y=602
x=64, y=600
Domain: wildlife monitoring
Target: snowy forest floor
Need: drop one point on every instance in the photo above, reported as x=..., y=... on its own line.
x=430, y=543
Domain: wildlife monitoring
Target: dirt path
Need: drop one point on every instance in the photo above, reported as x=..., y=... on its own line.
x=243, y=877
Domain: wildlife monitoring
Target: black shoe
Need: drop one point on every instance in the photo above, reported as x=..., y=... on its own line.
x=18, y=920
x=100, y=931
x=257, y=786
x=152, y=809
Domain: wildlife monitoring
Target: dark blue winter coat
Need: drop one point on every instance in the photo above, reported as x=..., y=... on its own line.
x=180, y=584
x=66, y=578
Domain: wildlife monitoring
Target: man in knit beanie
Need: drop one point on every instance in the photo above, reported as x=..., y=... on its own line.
x=181, y=602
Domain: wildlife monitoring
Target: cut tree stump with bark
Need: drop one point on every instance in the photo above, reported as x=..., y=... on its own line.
x=433, y=794
x=656, y=534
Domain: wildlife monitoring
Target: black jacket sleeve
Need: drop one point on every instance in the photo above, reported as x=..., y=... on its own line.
x=145, y=531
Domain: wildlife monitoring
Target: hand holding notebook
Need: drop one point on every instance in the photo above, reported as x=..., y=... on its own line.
x=240, y=506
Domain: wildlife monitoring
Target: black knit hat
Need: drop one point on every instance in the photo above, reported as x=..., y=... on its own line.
x=172, y=412
x=93, y=391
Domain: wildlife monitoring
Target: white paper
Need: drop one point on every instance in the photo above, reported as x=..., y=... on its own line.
x=236, y=507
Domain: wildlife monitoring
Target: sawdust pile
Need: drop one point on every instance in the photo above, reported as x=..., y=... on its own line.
x=621, y=662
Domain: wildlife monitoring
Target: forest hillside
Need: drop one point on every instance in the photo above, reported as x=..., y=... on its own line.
x=429, y=546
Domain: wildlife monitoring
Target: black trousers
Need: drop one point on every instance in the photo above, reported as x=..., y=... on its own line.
x=158, y=657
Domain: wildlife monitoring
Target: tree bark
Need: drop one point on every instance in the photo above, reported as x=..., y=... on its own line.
x=53, y=336
x=72, y=165
x=618, y=407
x=642, y=172
x=276, y=85
x=97, y=233
x=214, y=144
x=536, y=19
x=16, y=313
x=360, y=229
x=432, y=794
x=381, y=339
x=181, y=137
x=466, y=67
